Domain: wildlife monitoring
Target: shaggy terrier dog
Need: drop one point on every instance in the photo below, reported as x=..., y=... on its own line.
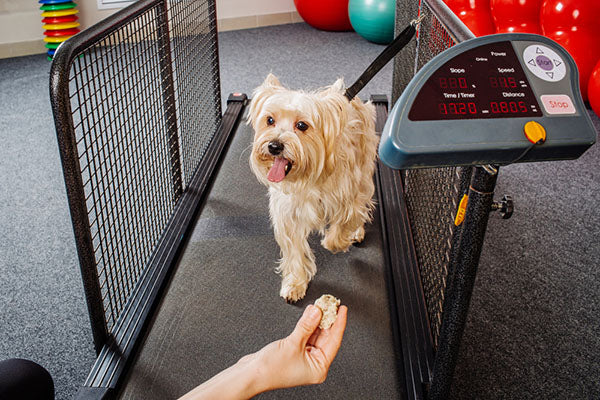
x=316, y=152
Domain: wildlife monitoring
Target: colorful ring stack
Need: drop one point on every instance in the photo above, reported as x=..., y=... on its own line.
x=60, y=22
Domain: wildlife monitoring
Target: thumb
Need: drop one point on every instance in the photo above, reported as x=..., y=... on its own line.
x=307, y=324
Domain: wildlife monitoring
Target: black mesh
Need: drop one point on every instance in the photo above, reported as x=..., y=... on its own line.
x=432, y=195
x=142, y=125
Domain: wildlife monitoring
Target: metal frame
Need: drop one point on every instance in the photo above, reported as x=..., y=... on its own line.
x=426, y=360
x=116, y=344
x=428, y=363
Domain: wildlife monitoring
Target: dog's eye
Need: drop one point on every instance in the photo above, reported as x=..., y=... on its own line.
x=301, y=126
x=270, y=121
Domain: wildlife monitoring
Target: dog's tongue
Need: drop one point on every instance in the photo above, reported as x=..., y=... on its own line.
x=277, y=171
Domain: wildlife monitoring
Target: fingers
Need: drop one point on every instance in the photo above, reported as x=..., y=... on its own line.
x=331, y=342
x=307, y=324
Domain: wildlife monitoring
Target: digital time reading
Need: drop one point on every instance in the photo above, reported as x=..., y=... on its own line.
x=495, y=99
x=484, y=82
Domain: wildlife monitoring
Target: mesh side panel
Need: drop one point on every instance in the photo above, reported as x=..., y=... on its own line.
x=128, y=104
x=432, y=196
x=196, y=77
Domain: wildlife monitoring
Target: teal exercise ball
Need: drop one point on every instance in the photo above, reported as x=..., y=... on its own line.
x=373, y=19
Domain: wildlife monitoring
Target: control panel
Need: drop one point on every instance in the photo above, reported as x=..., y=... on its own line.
x=496, y=99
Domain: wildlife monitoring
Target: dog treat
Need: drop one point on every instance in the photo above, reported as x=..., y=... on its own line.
x=329, y=306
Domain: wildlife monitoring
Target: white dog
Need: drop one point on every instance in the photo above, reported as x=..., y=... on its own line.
x=316, y=153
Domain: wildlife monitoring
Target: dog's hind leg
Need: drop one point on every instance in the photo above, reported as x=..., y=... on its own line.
x=351, y=229
x=339, y=237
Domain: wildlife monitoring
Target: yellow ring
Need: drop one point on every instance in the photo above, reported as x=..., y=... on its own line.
x=56, y=39
x=64, y=25
x=60, y=13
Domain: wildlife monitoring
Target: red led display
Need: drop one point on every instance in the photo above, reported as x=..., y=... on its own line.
x=485, y=82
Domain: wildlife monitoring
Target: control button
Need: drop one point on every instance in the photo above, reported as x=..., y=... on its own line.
x=558, y=104
x=534, y=132
x=544, y=63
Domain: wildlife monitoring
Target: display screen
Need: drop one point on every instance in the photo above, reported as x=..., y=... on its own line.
x=484, y=82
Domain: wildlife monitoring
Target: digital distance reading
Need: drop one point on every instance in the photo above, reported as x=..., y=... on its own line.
x=495, y=99
x=484, y=82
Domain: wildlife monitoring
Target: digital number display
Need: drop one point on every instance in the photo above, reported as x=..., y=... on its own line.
x=484, y=82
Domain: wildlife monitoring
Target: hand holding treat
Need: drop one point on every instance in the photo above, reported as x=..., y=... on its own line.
x=302, y=358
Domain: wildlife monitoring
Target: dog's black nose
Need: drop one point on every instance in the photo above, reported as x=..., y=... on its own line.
x=275, y=147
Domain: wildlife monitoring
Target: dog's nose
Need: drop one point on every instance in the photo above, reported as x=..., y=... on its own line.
x=275, y=147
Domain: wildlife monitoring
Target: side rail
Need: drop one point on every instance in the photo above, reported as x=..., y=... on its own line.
x=137, y=109
x=433, y=261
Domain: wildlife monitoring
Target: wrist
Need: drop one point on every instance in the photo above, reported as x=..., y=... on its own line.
x=253, y=377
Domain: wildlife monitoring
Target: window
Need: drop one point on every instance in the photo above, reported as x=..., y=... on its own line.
x=104, y=4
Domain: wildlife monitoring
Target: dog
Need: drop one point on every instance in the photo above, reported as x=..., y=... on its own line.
x=316, y=153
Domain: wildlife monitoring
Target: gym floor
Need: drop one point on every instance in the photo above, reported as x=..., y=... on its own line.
x=534, y=326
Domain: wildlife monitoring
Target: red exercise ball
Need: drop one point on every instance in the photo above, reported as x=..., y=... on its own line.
x=331, y=15
x=575, y=25
x=516, y=16
x=475, y=14
x=594, y=89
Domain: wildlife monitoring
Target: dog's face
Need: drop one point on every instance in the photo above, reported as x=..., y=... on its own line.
x=295, y=132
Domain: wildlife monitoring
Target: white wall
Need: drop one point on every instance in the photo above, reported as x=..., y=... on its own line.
x=243, y=8
x=21, y=29
x=19, y=20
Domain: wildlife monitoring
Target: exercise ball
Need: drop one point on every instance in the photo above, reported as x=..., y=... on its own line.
x=330, y=15
x=516, y=16
x=575, y=25
x=373, y=19
x=475, y=14
x=594, y=89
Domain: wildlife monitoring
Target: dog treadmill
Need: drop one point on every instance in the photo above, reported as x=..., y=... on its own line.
x=172, y=230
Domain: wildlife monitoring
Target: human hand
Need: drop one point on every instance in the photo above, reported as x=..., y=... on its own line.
x=303, y=357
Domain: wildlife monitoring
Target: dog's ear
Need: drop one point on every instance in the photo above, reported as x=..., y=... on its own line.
x=267, y=88
x=338, y=85
x=271, y=80
x=333, y=119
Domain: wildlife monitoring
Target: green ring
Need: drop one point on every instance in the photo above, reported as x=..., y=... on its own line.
x=61, y=6
x=52, y=45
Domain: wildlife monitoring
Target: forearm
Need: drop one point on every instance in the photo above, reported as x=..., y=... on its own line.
x=240, y=381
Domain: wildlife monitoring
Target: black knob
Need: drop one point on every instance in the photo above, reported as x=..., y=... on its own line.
x=506, y=206
x=275, y=147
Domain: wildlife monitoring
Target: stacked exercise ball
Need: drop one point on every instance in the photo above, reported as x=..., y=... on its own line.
x=373, y=19
x=60, y=22
x=574, y=24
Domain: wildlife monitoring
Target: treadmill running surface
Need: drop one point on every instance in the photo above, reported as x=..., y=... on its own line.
x=223, y=301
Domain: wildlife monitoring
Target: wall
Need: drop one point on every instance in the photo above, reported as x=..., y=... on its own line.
x=21, y=29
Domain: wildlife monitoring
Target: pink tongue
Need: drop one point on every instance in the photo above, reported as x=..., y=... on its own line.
x=277, y=171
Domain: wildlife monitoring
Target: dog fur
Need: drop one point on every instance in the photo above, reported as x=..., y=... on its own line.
x=329, y=185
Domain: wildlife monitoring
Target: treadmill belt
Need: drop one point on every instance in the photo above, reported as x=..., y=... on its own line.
x=223, y=301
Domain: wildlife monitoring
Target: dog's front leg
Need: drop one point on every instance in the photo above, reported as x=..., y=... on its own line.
x=297, y=264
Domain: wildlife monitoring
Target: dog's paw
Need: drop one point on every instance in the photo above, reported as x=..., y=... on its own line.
x=293, y=291
x=336, y=243
x=359, y=235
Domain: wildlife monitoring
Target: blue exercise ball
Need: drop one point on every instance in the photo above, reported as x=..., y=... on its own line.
x=373, y=19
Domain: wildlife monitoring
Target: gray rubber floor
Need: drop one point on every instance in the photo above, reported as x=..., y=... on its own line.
x=223, y=301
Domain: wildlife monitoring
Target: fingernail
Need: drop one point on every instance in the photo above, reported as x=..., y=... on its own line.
x=313, y=312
